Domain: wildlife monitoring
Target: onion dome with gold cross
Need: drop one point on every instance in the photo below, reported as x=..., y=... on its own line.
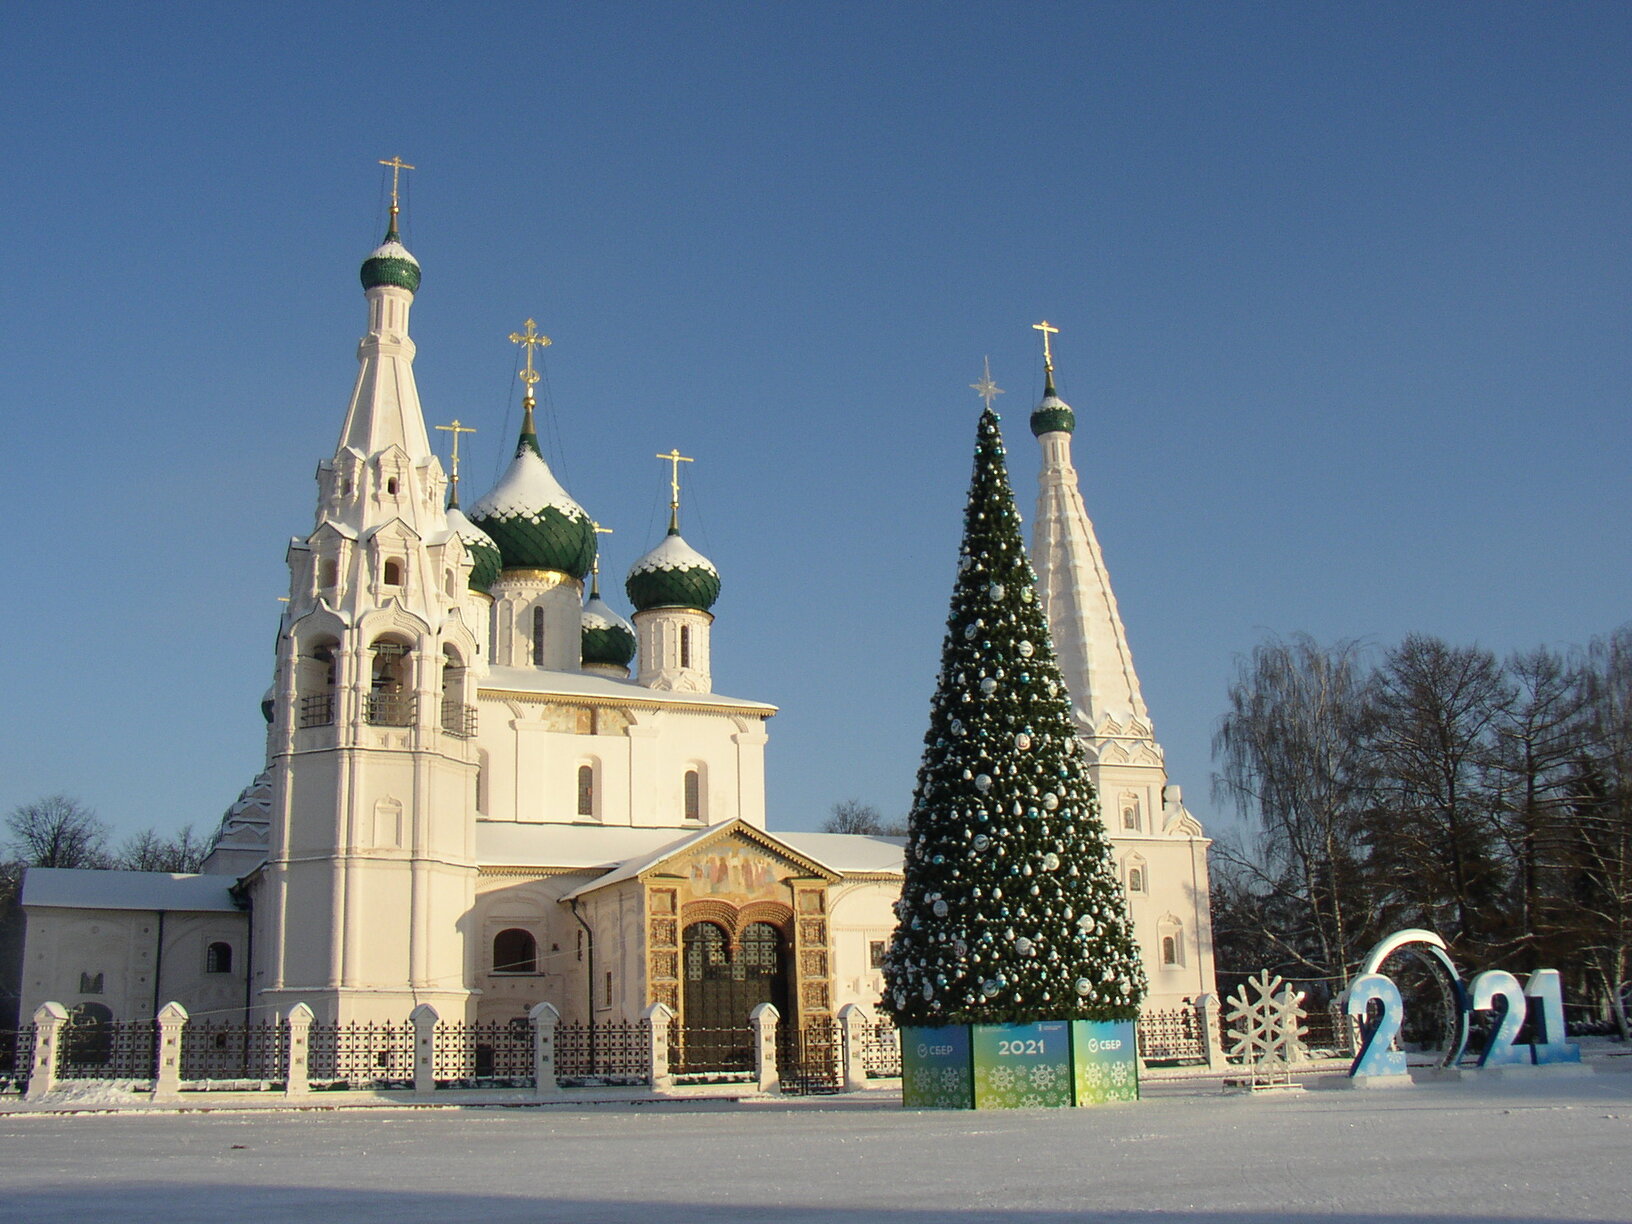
x=674, y=574
x=484, y=553
x=390, y=263
x=1052, y=414
x=529, y=515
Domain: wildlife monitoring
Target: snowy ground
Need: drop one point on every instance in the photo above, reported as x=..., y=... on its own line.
x=1537, y=1148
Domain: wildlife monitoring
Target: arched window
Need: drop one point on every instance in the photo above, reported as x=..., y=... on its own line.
x=538, y=637
x=458, y=716
x=586, y=790
x=693, y=795
x=1170, y=933
x=393, y=572
x=390, y=701
x=515, y=951
x=1130, y=813
x=1170, y=950
x=314, y=684
x=391, y=486
x=218, y=958
x=328, y=573
x=1136, y=879
x=685, y=645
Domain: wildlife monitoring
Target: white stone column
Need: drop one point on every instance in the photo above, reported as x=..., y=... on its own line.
x=763, y=1020
x=424, y=1019
x=171, y=1020
x=853, y=1025
x=1212, y=1046
x=544, y=1017
x=49, y=1019
x=298, y=1080
x=658, y=1017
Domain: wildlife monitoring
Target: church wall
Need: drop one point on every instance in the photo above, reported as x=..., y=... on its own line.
x=122, y=948
x=862, y=913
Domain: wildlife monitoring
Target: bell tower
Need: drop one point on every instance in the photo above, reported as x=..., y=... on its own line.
x=373, y=760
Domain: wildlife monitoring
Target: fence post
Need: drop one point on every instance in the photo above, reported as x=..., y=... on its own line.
x=853, y=1024
x=171, y=1020
x=658, y=1017
x=424, y=1019
x=763, y=1021
x=544, y=1018
x=49, y=1019
x=298, y=1082
x=1206, y=1006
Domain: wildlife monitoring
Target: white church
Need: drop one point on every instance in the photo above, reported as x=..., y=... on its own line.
x=485, y=788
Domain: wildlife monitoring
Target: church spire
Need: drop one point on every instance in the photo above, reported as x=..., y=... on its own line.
x=1073, y=581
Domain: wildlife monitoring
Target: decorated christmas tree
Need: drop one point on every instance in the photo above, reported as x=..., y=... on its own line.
x=1011, y=912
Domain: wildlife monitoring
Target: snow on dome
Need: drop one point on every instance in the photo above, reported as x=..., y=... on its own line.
x=533, y=520
x=484, y=553
x=392, y=250
x=526, y=487
x=673, y=575
x=605, y=636
x=673, y=554
x=598, y=614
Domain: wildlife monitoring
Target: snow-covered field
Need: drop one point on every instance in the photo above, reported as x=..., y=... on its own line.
x=1538, y=1149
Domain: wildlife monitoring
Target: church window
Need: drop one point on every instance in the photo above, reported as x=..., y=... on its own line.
x=586, y=790
x=607, y=1000
x=393, y=572
x=218, y=958
x=515, y=951
x=1170, y=950
x=328, y=573
x=90, y=983
x=1170, y=933
x=693, y=795
x=685, y=645
x=1130, y=813
x=538, y=637
x=877, y=950
x=314, y=683
x=1138, y=875
x=390, y=701
x=391, y=486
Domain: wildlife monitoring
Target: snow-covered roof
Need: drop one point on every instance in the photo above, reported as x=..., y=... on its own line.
x=77, y=888
x=848, y=852
x=459, y=525
x=533, y=680
x=526, y=487
x=672, y=554
x=598, y=614
x=503, y=843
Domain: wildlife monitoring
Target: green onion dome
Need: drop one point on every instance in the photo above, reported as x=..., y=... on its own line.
x=673, y=575
x=607, y=637
x=484, y=553
x=532, y=519
x=1052, y=414
x=391, y=264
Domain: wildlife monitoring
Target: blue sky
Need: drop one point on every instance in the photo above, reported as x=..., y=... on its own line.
x=1342, y=291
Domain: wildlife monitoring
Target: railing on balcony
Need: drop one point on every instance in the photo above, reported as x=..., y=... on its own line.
x=389, y=709
x=317, y=710
x=459, y=719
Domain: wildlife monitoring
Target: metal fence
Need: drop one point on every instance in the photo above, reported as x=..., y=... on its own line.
x=810, y=1059
x=110, y=1049
x=711, y=1052
x=1170, y=1038
x=880, y=1050
x=612, y=1052
x=217, y=1050
x=496, y=1054
x=361, y=1055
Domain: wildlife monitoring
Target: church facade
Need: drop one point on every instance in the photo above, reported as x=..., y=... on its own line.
x=485, y=788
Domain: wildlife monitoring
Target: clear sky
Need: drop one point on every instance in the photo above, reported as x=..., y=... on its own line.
x=1342, y=291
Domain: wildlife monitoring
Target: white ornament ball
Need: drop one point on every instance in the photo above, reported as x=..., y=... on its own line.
x=1085, y=924
x=929, y=991
x=940, y=908
x=1051, y=861
x=1022, y=741
x=983, y=782
x=1050, y=800
x=981, y=841
x=1084, y=986
x=989, y=988
x=1024, y=946
x=996, y=590
x=1026, y=650
x=988, y=686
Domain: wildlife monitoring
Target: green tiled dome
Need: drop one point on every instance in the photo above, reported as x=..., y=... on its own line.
x=531, y=518
x=607, y=637
x=484, y=553
x=391, y=264
x=673, y=575
x=1053, y=415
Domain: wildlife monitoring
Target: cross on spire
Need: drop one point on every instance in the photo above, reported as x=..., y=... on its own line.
x=397, y=167
x=595, y=565
x=1048, y=330
x=675, y=459
x=455, y=429
x=986, y=388
x=530, y=339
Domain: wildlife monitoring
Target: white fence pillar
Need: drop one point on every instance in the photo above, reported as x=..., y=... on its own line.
x=49, y=1019
x=544, y=1018
x=1212, y=1045
x=171, y=1021
x=298, y=1082
x=853, y=1025
x=658, y=1017
x=424, y=1019
x=763, y=1020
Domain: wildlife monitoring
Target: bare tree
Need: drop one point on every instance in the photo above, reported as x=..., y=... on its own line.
x=854, y=816
x=148, y=851
x=1291, y=750
x=57, y=832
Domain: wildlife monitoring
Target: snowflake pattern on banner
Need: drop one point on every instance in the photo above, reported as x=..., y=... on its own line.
x=1011, y=910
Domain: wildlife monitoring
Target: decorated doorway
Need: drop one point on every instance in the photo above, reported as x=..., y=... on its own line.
x=722, y=985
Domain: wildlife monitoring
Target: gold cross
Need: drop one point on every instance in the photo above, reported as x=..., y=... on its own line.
x=986, y=388
x=456, y=429
x=1047, y=330
x=530, y=339
x=675, y=459
x=595, y=565
x=397, y=167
